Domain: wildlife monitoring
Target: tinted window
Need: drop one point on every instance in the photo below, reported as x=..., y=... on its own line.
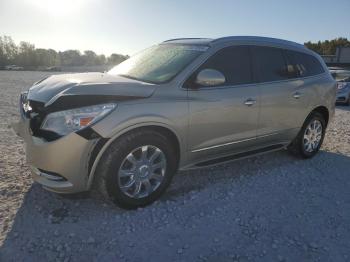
x=304, y=64
x=234, y=63
x=270, y=63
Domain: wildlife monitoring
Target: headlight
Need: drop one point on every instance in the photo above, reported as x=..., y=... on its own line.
x=65, y=122
x=342, y=86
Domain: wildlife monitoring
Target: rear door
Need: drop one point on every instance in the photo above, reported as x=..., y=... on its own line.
x=283, y=101
x=224, y=118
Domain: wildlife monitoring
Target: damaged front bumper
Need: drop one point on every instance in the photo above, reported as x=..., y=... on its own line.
x=60, y=165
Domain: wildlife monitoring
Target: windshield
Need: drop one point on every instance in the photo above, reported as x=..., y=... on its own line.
x=158, y=64
x=341, y=75
x=347, y=79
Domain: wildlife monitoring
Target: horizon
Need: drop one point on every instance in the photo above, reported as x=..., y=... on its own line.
x=64, y=25
x=118, y=53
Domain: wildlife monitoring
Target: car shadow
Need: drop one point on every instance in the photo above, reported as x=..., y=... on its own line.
x=45, y=218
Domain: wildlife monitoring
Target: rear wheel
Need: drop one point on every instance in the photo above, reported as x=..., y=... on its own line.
x=136, y=169
x=310, y=138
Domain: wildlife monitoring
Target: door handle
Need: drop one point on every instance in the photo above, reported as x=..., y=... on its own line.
x=250, y=102
x=297, y=95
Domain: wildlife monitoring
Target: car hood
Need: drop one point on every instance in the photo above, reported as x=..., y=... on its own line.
x=82, y=89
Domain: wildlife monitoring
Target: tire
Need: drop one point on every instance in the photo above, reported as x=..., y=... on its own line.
x=299, y=144
x=109, y=177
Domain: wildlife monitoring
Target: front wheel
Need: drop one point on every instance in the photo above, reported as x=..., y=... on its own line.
x=310, y=138
x=136, y=169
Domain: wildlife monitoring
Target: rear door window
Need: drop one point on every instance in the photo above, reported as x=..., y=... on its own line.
x=270, y=63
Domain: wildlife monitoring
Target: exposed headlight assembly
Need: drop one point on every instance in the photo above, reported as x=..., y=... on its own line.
x=65, y=122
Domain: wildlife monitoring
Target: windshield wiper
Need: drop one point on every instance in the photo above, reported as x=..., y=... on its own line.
x=137, y=79
x=130, y=77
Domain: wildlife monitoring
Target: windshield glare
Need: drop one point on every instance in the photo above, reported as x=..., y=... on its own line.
x=158, y=64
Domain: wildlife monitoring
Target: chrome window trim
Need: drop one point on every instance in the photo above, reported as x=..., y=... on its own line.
x=255, y=84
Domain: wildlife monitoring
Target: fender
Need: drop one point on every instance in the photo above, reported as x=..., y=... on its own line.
x=119, y=133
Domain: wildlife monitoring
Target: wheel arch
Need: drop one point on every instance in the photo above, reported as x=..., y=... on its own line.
x=157, y=127
x=323, y=111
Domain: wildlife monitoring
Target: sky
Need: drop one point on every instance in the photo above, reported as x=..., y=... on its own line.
x=127, y=26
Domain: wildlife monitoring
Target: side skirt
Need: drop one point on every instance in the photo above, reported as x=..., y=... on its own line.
x=237, y=156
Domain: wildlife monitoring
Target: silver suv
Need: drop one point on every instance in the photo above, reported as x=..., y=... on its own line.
x=181, y=104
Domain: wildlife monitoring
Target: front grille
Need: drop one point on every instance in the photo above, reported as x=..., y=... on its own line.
x=36, y=116
x=35, y=111
x=23, y=102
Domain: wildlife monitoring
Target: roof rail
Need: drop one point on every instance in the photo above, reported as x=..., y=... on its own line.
x=183, y=38
x=257, y=38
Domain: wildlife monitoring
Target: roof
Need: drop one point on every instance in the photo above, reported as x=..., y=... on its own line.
x=250, y=39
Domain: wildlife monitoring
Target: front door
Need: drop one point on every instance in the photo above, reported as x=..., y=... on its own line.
x=223, y=119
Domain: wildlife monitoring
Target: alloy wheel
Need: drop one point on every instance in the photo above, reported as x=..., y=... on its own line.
x=312, y=136
x=142, y=171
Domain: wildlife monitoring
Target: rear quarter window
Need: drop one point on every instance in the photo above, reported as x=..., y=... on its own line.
x=304, y=64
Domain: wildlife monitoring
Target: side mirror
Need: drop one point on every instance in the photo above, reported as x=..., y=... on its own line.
x=210, y=77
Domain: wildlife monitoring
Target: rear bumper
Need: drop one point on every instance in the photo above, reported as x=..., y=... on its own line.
x=61, y=165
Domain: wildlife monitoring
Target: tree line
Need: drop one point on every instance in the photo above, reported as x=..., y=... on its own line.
x=26, y=55
x=328, y=47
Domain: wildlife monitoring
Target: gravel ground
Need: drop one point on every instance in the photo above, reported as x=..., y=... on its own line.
x=268, y=208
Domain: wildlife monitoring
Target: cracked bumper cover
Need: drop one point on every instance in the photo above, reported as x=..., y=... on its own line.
x=67, y=157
